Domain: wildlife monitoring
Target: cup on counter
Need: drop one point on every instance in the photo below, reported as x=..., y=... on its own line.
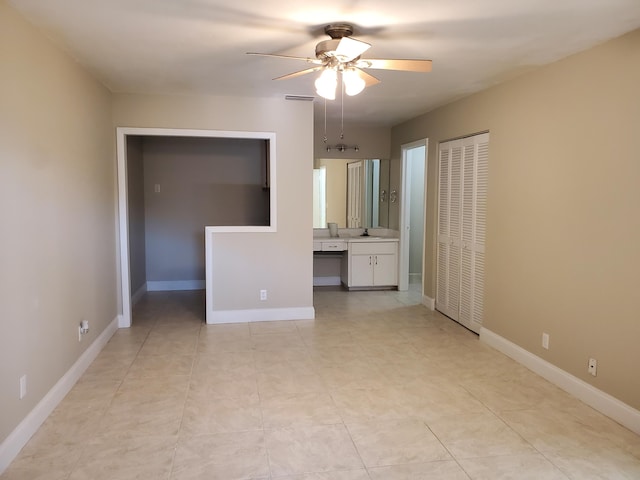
x=333, y=229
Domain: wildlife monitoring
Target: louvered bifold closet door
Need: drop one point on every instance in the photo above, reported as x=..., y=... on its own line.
x=462, y=213
x=474, y=215
x=449, y=239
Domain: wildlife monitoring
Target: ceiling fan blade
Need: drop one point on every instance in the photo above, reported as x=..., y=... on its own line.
x=299, y=73
x=367, y=77
x=386, y=64
x=350, y=48
x=305, y=59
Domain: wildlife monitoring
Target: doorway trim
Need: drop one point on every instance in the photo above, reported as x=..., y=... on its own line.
x=124, y=319
x=405, y=200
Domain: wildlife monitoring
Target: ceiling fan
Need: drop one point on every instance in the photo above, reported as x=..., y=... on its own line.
x=342, y=54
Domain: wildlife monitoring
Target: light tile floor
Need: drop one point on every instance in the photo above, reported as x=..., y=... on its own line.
x=377, y=387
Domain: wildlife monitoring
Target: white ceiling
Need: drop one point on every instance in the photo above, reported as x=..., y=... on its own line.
x=199, y=46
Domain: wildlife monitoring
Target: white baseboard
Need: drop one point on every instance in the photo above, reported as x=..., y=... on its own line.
x=596, y=398
x=429, y=302
x=326, y=281
x=175, y=285
x=260, y=315
x=135, y=298
x=17, y=439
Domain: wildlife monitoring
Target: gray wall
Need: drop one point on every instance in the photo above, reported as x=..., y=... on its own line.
x=135, y=197
x=203, y=182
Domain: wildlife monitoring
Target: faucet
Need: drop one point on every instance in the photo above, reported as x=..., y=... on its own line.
x=365, y=233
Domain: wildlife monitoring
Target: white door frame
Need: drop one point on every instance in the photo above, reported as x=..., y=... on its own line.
x=405, y=200
x=124, y=319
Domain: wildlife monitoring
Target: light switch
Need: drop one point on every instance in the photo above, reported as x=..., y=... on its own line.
x=156, y=188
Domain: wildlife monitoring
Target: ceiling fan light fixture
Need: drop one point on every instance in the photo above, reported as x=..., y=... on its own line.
x=326, y=84
x=353, y=83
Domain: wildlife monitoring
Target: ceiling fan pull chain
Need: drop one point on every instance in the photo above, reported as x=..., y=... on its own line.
x=325, y=120
x=341, y=107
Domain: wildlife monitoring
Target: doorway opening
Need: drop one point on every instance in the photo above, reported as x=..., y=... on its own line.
x=186, y=197
x=412, y=215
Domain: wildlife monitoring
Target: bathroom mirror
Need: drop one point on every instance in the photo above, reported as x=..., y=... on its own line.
x=354, y=193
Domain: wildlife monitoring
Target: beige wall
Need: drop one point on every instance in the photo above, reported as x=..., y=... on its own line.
x=563, y=218
x=245, y=263
x=57, y=204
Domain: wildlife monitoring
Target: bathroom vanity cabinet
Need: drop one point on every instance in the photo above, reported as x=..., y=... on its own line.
x=370, y=263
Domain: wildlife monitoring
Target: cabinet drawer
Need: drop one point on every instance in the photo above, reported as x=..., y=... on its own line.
x=373, y=248
x=333, y=246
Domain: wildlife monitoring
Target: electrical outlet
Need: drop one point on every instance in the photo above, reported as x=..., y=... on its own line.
x=263, y=295
x=593, y=366
x=545, y=341
x=23, y=386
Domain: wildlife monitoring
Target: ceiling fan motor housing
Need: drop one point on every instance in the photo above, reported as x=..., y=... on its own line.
x=326, y=49
x=339, y=30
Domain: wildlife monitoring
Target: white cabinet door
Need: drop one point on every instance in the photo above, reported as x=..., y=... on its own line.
x=361, y=270
x=385, y=270
x=462, y=213
x=373, y=264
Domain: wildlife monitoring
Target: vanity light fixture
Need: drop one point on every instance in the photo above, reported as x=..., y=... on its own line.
x=341, y=147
